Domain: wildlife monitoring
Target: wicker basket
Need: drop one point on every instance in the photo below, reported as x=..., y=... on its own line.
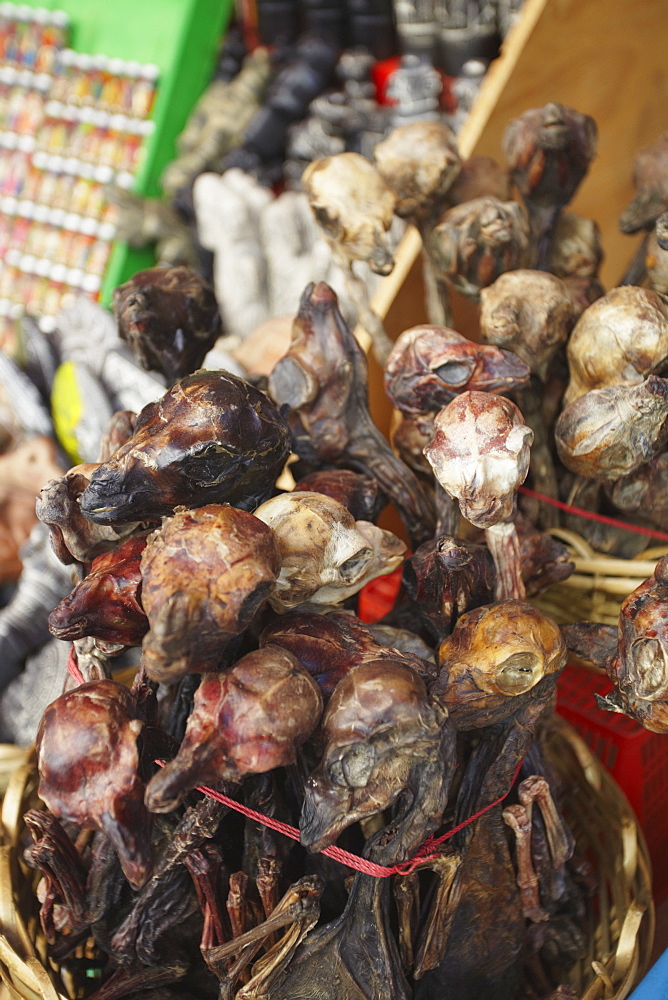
x=605, y=829
x=598, y=586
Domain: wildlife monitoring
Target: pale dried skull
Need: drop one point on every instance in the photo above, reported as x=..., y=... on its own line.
x=354, y=206
x=326, y=556
x=480, y=455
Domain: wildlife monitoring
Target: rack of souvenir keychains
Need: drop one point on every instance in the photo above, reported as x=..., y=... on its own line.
x=72, y=121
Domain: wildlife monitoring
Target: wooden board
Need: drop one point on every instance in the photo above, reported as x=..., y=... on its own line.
x=607, y=58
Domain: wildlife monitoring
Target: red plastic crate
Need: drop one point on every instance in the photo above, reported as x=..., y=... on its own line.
x=636, y=758
x=377, y=598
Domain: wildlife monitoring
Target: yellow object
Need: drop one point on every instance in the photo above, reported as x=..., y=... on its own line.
x=67, y=408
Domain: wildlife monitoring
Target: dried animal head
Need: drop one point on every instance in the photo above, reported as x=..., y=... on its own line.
x=430, y=365
x=419, y=162
x=480, y=455
x=212, y=438
x=619, y=340
x=106, y=603
x=475, y=242
x=326, y=555
x=380, y=727
x=354, y=206
x=247, y=720
x=205, y=573
x=169, y=317
x=494, y=655
x=528, y=312
x=575, y=247
x=357, y=492
x=549, y=150
x=480, y=176
x=609, y=433
x=650, y=180
x=88, y=754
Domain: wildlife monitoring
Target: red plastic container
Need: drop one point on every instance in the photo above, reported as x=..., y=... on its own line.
x=377, y=598
x=636, y=758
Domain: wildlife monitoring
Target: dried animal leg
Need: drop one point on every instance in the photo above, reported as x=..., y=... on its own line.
x=55, y=855
x=519, y=821
x=406, y=890
x=204, y=865
x=559, y=838
x=436, y=926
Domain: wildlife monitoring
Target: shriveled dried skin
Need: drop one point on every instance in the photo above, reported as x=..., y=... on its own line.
x=639, y=669
x=323, y=378
x=475, y=242
x=419, y=162
x=480, y=176
x=325, y=555
x=409, y=437
x=529, y=313
x=169, y=317
x=494, y=658
x=382, y=734
x=620, y=340
x=354, y=206
x=650, y=180
x=609, y=433
x=548, y=151
x=430, y=365
x=503, y=543
x=583, y=293
x=212, y=438
x=329, y=646
x=575, y=247
x=88, y=760
x=447, y=577
x=119, y=430
x=205, y=573
x=644, y=493
x=545, y=560
x=480, y=455
x=106, y=604
x=248, y=720
x=73, y=537
x=357, y=492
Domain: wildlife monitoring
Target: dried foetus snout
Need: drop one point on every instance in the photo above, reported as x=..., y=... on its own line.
x=480, y=455
x=496, y=653
x=205, y=573
x=246, y=720
x=325, y=554
x=106, y=603
x=88, y=754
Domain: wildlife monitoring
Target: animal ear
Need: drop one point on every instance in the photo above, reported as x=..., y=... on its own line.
x=327, y=219
x=357, y=764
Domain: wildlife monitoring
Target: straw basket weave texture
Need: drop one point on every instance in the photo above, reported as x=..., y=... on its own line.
x=598, y=586
x=622, y=915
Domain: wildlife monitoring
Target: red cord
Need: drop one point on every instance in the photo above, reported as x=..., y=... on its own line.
x=591, y=516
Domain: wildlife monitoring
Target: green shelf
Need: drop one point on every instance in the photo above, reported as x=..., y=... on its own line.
x=181, y=37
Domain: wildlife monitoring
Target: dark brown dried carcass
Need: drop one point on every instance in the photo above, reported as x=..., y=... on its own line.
x=169, y=317
x=473, y=243
x=106, y=604
x=323, y=379
x=247, y=720
x=548, y=151
x=88, y=758
x=357, y=492
x=212, y=438
x=205, y=573
x=330, y=645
